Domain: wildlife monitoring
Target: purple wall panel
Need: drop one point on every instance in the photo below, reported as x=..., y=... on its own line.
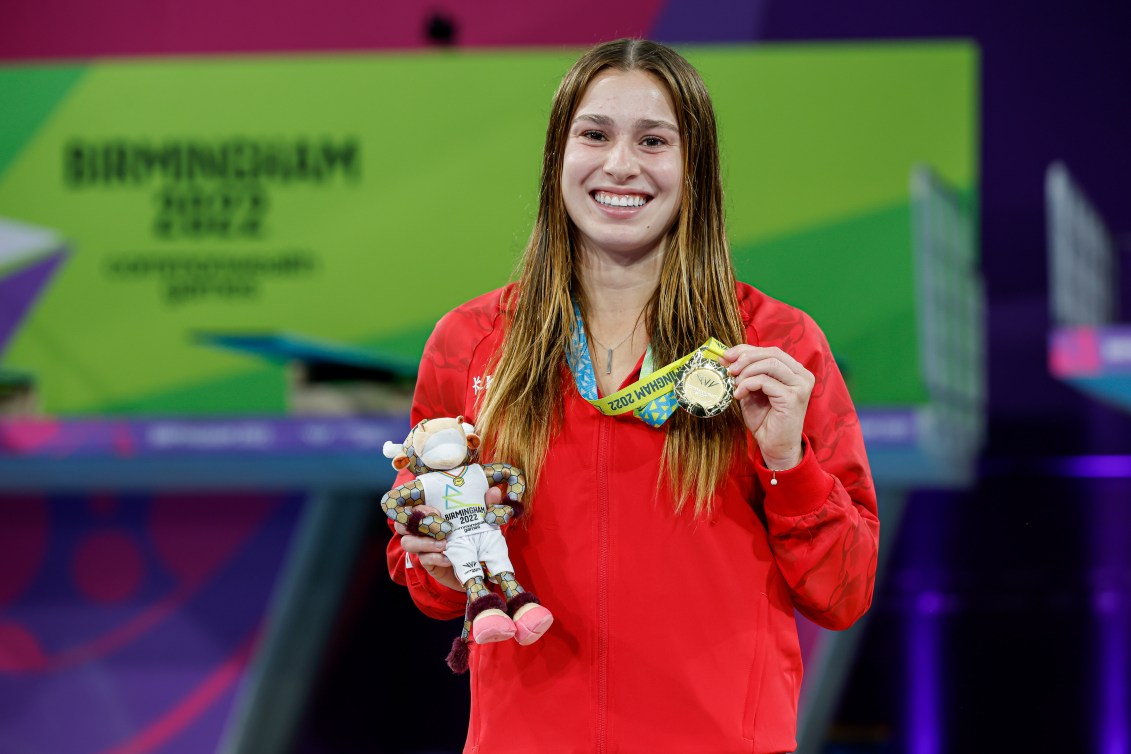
x=695, y=21
x=127, y=621
x=20, y=290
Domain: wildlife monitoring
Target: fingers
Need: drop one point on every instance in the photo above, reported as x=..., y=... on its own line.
x=494, y=496
x=429, y=551
x=746, y=360
x=434, y=560
x=766, y=385
x=417, y=544
x=769, y=383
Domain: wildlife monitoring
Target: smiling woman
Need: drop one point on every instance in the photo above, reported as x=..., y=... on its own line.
x=636, y=510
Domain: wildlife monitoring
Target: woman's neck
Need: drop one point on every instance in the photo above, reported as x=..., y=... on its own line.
x=615, y=286
x=617, y=290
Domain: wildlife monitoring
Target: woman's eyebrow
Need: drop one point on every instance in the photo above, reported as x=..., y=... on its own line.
x=647, y=124
x=644, y=124
x=600, y=120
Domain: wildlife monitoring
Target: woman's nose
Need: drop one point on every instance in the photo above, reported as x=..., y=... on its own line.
x=621, y=162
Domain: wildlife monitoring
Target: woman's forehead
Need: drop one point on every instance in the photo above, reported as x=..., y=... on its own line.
x=626, y=96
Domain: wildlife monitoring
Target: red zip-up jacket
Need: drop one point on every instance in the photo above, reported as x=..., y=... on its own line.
x=672, y=634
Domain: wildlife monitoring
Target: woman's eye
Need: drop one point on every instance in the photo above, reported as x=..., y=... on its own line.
x=593, y=135
x=653, y=141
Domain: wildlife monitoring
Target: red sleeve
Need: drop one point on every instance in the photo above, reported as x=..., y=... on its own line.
x=441, y=389
x=822, y=516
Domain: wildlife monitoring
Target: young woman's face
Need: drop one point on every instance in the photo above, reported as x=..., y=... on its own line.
x=622, y=171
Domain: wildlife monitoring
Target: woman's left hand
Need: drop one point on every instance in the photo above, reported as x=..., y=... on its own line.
x=773, y=391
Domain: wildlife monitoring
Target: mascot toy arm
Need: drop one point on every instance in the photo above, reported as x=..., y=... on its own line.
x=400, y=504
x=504, y=473
x=440, y=453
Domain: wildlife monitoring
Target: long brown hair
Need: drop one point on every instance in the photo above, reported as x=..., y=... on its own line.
x=695, y=298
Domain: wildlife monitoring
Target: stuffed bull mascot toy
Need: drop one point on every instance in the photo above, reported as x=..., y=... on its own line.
x=447, y=502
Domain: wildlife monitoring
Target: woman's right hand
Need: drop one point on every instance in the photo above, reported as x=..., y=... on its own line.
x=430, y=552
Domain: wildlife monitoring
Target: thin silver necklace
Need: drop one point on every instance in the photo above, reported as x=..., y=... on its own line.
x=608, y=350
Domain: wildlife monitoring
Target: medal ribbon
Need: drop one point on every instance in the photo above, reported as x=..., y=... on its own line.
x=650, y=398
x=457, y=479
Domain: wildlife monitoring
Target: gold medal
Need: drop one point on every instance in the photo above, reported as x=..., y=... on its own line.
x=458, y=481
x=703, y=387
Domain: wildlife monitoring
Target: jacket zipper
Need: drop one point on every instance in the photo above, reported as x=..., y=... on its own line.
x=603, y=583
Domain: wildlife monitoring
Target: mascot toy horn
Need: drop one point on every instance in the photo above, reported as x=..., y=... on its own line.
x=446, y=502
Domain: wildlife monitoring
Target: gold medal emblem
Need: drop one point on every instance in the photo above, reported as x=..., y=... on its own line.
x=704, y=387
x=458, y=481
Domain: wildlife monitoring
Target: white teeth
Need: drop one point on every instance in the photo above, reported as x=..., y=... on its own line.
x=619, y=200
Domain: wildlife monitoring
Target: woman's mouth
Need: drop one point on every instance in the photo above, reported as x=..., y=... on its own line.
x=608, y=199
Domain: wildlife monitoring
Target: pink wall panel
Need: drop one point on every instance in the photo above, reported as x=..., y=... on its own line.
x=69, y=29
